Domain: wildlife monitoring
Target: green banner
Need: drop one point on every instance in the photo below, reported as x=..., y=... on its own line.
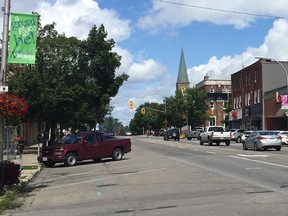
x=22, y=40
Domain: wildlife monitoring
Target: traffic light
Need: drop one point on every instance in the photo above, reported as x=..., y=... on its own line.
x=143, y=111
x=211, y=112
x=131, y=105
x=184, y=115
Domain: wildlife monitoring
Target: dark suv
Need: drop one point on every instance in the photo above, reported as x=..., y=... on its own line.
x=172, y=134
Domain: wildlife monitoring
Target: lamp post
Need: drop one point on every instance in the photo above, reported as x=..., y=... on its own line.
x=271, y=59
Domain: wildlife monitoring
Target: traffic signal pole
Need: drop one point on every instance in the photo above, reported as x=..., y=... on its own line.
x=4, y=51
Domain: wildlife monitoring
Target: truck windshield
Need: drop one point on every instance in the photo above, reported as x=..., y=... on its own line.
x=216, y=129
x=71, y=138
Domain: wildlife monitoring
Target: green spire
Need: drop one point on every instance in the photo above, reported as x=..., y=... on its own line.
x=182, y=72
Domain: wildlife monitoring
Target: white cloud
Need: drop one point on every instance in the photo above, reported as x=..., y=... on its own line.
x=164, y=14
x=275, y=46
x=147, y=70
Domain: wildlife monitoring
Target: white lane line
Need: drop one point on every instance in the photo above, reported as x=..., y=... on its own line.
x=263, y=162
x=254, y=168
x=101, y=179
x=243, y=155
x=210, y=152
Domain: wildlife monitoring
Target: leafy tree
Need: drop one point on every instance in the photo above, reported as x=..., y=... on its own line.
x=152, y=120
x=72, y=81
x=195, y=106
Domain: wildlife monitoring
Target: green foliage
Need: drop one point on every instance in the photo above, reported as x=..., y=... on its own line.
x=72, y=81
x=191, y=101
x=9, y=200
x=12, y=174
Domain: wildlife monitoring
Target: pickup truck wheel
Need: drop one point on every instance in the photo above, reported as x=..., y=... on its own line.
x=71, y=159
x=227, y=143
x=117, y=154
x=209, y=141
x=200, y=140
x=49, y=164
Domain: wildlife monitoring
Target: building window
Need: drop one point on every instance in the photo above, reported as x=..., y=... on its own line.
x=240, y=102
x=212, y=121
x=248, y=98
x=212, y=104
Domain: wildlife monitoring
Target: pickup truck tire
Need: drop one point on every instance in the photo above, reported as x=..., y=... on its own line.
x=209, y=141
x=49, y=164
x=200, y=141
x=227, y=143
x=117, y=154
x=71, y=159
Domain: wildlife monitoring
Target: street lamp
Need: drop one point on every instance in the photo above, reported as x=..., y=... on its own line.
x=270, y=59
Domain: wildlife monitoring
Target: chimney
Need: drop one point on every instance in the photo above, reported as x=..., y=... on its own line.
x=206, y=77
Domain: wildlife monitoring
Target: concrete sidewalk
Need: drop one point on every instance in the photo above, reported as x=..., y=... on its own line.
x=29, y=163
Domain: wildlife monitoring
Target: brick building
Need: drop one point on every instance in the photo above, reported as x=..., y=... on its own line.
x=218, y=93
x=254, y=105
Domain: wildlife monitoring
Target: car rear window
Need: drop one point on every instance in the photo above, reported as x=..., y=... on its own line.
x=268, y=133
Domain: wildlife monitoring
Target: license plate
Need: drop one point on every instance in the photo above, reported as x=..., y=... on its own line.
x=44, y=159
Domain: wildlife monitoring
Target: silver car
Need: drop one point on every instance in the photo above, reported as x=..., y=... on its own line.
x=263, y=140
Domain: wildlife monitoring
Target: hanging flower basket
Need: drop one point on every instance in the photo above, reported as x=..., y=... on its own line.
x=12, y=105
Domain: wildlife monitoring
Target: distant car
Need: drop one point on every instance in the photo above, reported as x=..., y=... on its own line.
x=236, y=135
x=128, y=133
x=284, y=137
x=264, y=139
x=172, y=134
x=245, y=135
x=159, y=132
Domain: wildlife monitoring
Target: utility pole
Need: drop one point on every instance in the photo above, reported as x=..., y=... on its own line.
x=3, y=87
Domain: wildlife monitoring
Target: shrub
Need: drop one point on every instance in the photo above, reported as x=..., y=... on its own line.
x=12, y=174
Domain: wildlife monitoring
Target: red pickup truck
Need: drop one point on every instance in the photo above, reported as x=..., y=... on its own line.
x=92, y=145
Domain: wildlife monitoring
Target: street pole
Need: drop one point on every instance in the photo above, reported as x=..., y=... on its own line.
x=3, y=70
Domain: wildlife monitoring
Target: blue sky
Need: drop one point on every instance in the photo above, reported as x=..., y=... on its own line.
x=218, y=38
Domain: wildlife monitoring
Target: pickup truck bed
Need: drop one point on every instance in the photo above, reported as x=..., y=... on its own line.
x=215, y=134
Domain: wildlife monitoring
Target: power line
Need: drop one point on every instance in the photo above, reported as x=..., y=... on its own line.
x=222, y=10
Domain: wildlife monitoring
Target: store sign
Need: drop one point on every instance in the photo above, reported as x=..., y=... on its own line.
x=235, y=114
x=284, y=102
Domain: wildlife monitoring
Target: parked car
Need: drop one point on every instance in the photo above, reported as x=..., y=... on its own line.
x=128, y=133
x=245, y=135
x=92, y=145
x=264, y=139
x=236, y=135
x=194, y=133
x=172, y=134
x=159, y=132
x=284, y=137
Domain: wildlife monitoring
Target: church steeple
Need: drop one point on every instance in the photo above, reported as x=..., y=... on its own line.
x=182, y=80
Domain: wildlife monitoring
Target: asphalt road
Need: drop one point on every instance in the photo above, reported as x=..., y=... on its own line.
x=170, y=178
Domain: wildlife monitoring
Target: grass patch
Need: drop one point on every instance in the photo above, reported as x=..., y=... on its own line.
x=11, y=199
x=29, y=167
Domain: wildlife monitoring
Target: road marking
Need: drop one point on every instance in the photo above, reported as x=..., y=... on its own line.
x=101, y=179
x=209, y=152
x=264, y=162
x=243, y=155
x=254, y=168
